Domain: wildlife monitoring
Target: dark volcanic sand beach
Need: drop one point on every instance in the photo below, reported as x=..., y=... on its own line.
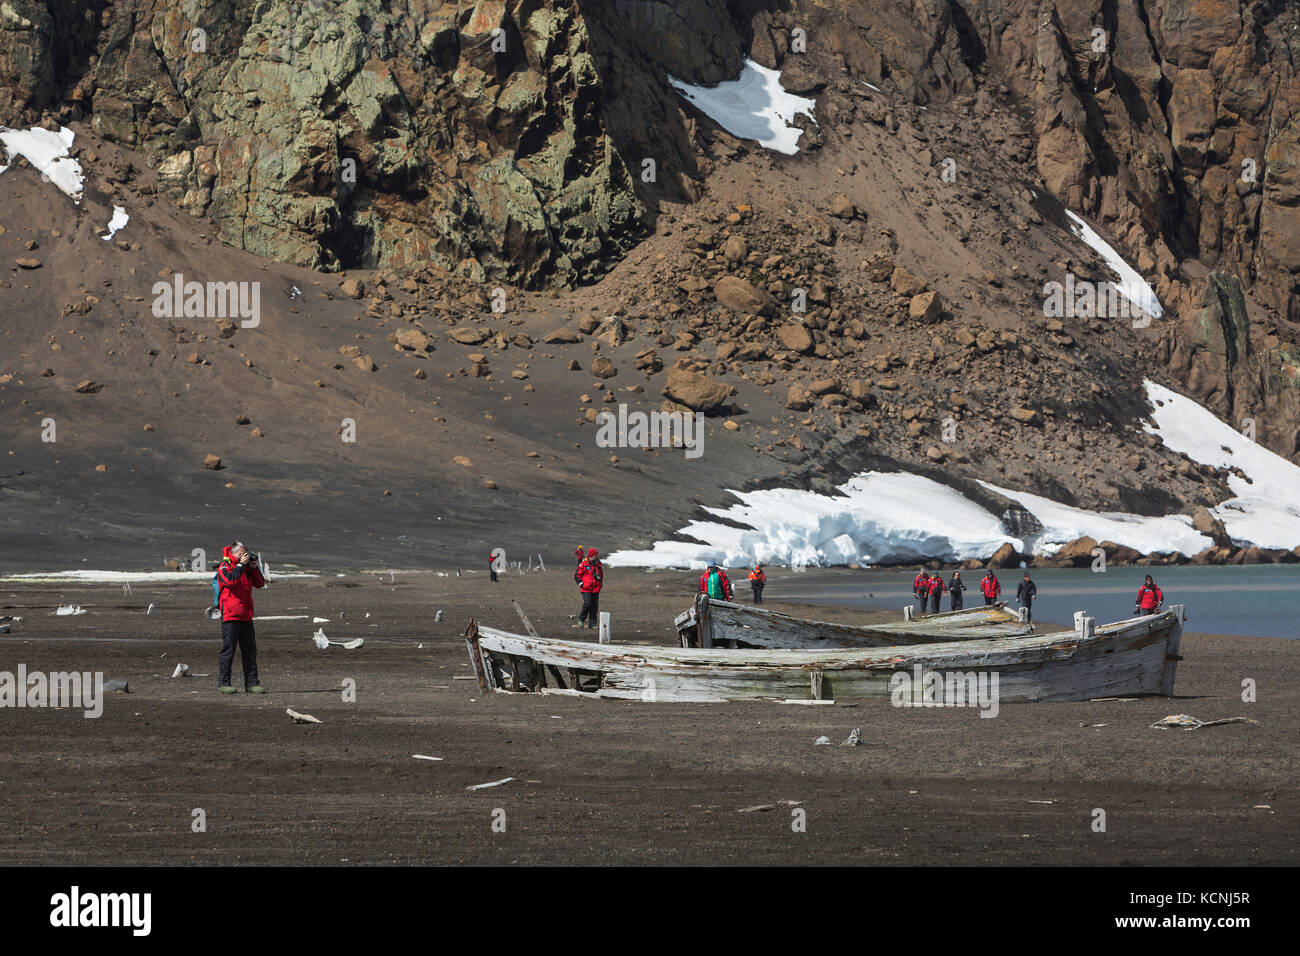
x=596, y=781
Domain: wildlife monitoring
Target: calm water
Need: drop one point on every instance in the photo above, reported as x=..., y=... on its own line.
x=1259, y=601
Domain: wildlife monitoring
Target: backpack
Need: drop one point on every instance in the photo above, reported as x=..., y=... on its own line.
x=714, y=586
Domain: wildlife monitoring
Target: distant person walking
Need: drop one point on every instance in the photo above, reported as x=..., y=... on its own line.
x=1025, y=594
x=990, y=587
x=955, y=589
x=921, y=590
x=936, y=592
x=492, y=565
x=236, y=578
x=757, y=581
x=590, y=576
x=1149, y=598
x=714, y=582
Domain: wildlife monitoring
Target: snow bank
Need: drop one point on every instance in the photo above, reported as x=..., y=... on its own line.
x=877, y=517
x=752, y=106
x=48, y=153
x=1064, y=523
x=882, y=518
x=117, y=223
x=1132, y=287
x=133, y=577
x=1266, y=511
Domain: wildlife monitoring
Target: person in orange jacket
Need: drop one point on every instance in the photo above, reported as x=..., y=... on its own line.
x=937, y=589
x=757, y=581
x=1149, y=598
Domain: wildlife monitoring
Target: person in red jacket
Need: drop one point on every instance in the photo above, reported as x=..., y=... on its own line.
x=990, y=587
x=236, y=578
x=590, y=575
x=937, y=589
x=921, y=589
x=1149, y=598
x=719, y=587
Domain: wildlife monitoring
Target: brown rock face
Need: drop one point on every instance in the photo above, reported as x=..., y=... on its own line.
x=1076, y=554
x=1208, y=524
x=697, y=392
x=1004, y=557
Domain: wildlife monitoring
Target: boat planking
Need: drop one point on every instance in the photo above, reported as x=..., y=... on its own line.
x=713, y=623
x=1128, y=658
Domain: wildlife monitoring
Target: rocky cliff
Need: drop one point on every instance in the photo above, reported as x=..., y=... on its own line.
x=540, y=145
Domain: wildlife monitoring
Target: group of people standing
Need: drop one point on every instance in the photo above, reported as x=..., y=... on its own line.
x=929, y=588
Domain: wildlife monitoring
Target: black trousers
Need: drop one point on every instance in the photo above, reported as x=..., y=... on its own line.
x=988, y=600
x=758, y=593
x=934, y=602
x=957, y=601
x=590, y=609
x=1029, y=610
x=237, y=633
x=493, y=572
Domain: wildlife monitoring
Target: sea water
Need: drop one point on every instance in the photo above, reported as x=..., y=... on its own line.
x=1251, y=600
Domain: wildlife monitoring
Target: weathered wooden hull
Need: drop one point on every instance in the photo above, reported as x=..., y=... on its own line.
x=712, y=623
x=1129, y=658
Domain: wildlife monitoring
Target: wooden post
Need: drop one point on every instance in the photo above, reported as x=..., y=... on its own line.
x=604, y=627
x=815, y=679
x=540, y=563
x=528, y=625
x=908, y=611
x=476, y=655
x=1078, y=620
x=703, y=620
x=1087, y=627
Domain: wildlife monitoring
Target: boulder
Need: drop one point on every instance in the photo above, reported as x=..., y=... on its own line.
x=602, y=367
x=926, y=307
x=795, y=337
x=697, y=392
x=740, y=296
x=904, y=283
x=797, y=398
x=561, y=336
x=842, y=208
x=1076, y=554
x=414, y=340
x=469, y=336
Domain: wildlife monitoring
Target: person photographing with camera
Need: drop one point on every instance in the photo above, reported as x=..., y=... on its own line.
x=238, y=575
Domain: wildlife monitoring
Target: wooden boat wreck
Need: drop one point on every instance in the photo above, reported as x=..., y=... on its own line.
x=1127, y=658
x=713, y=623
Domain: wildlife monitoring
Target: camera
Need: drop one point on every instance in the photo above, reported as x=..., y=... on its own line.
x=252, y=557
